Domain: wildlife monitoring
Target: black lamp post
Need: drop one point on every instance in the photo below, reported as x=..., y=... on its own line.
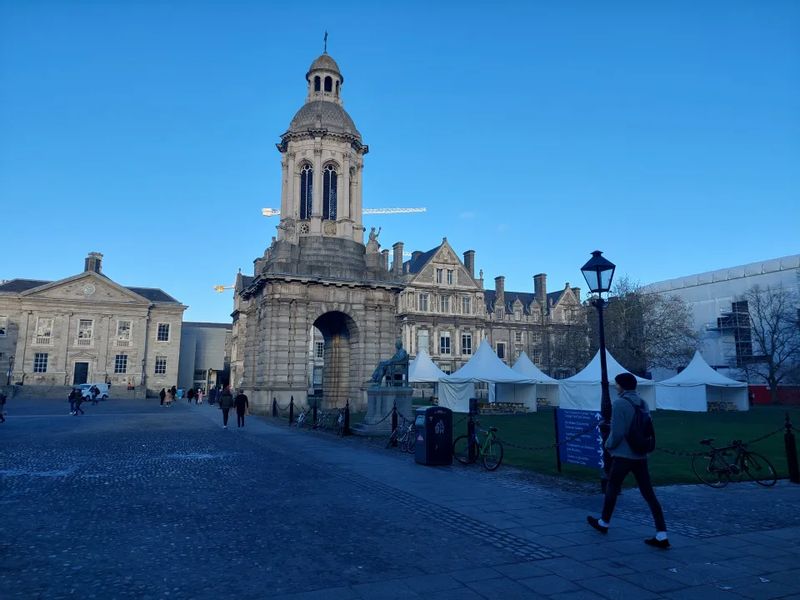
x=598, y=273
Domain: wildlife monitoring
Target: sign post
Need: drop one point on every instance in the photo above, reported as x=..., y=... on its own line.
x=576, y=448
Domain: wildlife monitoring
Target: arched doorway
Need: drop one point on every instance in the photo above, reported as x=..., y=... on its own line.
x=340, y=369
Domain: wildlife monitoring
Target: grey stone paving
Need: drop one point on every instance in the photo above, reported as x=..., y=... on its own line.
x=137, y=501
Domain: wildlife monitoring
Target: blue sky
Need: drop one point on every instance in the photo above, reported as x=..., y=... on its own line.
x=666, y=134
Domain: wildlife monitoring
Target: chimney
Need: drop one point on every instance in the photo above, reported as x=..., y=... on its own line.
x=93, y=262
x=540, y=288
x=577, y=292
x=469, y=262
x=385, y=254
x=500, y=292
x=397, y=260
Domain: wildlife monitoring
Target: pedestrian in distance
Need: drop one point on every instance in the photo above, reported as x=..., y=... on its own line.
x=94, y=391
x=225, y=403
x=212, y=395
x=625, y=460
x=163, y=395
x=73, y=393
x=200, y=395
x=242, y=405
x=3, y=399
x=190, y=394
x=78, y=402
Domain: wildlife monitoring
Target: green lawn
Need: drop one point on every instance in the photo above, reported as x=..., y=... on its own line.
x=678, y=431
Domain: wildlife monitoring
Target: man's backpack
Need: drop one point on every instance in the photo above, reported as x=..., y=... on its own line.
x=641, y=436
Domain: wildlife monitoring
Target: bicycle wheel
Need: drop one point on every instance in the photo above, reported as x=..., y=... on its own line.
x=392, y=439
x=412, y=441
x=461, y=451
x=759, y=469
x=493, y=455
x=708, y=470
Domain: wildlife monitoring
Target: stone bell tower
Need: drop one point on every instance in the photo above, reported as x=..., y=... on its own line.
x=317, y=275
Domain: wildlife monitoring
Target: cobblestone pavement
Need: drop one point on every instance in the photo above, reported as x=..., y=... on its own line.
x=134, y=500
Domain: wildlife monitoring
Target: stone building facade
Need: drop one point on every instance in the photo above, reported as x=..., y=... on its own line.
x=205, y=355
x=322, y=307
x=87, y=328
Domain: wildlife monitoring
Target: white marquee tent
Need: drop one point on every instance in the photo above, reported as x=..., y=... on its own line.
x=698, y=384
x=546, y=388
x=455, y=390
x=583, y=391
x=423, y=370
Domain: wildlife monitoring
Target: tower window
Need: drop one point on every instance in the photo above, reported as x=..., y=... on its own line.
x=328, y=84
x=316, y=83
x=306, y=190
x=337, y=89
x=329, y=193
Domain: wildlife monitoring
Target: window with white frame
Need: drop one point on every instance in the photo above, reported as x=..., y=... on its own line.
x=466, y=305
x=518, y=337
x=124, y=333
x=537, y=356
x=501, y=350
x=423, y=338
x=44, y=330
x=320, y=351
x=40, y=362
x=439, y=275
x=85, y=332
x=466, y=343
x=121, y=363
x=449, y=276
x=3, y=325
x=444, y=342
x=444, y=304
x=161, y=365
x=423, y=302
x=162, y=334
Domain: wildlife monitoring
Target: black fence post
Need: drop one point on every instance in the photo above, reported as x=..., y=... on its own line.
x=791, y=451
x=346, y=427
x=558, y=448
x=274, y=407
x=473, y=410
x=291, y=410
x=314, y=414
x=394, y=424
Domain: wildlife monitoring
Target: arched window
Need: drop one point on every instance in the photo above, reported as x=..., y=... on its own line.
x=329, y=178
x=306, y=190
x=328, y=84
x=316, y=83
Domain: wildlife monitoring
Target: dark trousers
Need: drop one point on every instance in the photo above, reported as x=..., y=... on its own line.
x=620, y=467
x=240, y=417
x=225, y=412
x=78, y=408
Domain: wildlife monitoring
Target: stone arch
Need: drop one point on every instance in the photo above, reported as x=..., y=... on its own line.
x=341, y=356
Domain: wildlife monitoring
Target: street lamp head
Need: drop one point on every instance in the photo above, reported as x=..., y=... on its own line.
x=598, y=273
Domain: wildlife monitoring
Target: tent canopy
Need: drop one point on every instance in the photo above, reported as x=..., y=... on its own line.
x=423, y=370
x=485, y=366
x=583, y=390
x=525, y=367
x=698, y=384
x=546, y=391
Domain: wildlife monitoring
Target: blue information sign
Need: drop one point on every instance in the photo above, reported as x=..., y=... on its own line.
x=586, y=449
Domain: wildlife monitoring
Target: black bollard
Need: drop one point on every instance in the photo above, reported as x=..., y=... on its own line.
x=346, y=428
x=274, y=407
x=394, y=425
x=473, y=410
x=314, y=414
x=791, y=452
x=291, y=410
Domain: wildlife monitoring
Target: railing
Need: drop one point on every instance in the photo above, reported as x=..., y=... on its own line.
x=122, y=343
x=83, y=342
x=43, y=340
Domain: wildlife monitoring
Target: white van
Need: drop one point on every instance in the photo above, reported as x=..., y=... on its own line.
x=85, y=387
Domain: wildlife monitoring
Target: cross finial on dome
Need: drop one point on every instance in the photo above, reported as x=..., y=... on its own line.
x=325, y=43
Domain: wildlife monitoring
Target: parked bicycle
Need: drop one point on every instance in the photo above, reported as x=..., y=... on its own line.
x=405, y=437
x=485, y=445
x=717, y=467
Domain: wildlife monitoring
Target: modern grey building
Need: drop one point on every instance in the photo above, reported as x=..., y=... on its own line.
x=205, y=355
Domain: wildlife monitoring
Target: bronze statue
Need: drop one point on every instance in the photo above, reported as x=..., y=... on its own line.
x=397, y=364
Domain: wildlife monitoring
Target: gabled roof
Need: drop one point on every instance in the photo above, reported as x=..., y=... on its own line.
x=415, y=264
x=17, y=286
x=698, y=372
x=485, y=366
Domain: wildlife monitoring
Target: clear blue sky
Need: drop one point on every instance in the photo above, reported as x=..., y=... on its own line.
x=665, y=134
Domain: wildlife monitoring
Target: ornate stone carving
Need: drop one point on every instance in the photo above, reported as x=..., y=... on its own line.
x=304, y=228
x=330, y=228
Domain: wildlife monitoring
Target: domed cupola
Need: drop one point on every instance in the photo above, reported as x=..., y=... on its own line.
x=322, y=160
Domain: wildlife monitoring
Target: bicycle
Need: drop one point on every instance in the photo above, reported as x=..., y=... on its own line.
x=490, y=449
x=405, y=437
x=719, y=466
x=304, y=418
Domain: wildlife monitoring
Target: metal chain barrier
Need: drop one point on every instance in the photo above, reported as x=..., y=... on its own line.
x=549, y=446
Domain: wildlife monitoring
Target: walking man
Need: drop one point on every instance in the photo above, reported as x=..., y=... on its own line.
x=242, y=405
x=225, y=403
x=3, y=399
x=625, y=460
x=77, y=403
x=162, y=394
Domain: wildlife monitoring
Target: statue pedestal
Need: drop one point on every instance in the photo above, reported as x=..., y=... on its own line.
x=380, y=401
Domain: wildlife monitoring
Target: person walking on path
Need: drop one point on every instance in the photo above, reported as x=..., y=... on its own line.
x=3, y=399
x=225, y=403
x=242, y=405
x=162, y=394
x=73, y=393
x=625, y=460
x=190, y=394
x=77, y=403
x=200, y=395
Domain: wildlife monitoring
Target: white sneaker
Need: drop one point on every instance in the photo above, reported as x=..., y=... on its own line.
x=224, y=426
